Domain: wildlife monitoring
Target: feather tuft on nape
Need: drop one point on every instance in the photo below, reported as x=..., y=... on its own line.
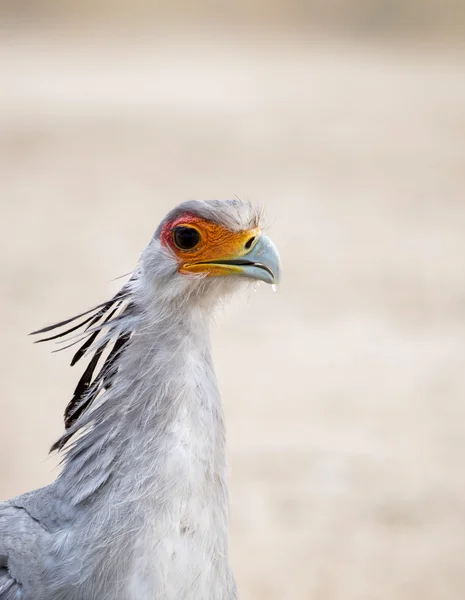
x=101, y=337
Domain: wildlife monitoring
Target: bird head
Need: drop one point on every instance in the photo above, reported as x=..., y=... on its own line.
x=210, y=246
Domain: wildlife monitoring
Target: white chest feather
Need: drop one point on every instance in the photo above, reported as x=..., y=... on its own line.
x=181, y=553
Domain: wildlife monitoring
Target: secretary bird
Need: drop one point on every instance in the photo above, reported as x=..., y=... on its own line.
x=140, y=508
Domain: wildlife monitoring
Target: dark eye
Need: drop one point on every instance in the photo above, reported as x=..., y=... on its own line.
x=186, y=238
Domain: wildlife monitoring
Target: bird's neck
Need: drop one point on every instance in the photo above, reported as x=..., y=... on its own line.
x=159, y=431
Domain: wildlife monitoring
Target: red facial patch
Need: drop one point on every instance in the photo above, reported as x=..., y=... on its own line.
x=166, y=236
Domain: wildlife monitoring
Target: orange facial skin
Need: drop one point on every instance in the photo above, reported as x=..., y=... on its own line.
x=216, y=243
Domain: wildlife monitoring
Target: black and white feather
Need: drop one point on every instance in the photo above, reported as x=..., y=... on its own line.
x=101, y=337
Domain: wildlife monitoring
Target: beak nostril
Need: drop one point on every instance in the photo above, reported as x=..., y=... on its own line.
x=249, y=243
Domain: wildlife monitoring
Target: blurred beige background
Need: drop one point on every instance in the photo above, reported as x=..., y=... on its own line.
x=345, y=391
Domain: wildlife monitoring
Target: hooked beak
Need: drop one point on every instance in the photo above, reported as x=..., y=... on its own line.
x=261, y=262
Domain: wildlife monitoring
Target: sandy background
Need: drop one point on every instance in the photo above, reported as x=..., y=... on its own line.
x=345, y=391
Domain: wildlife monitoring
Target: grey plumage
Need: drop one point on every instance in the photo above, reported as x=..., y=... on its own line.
x=139, y=510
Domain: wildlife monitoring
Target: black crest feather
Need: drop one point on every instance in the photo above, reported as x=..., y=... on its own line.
x=94, y=333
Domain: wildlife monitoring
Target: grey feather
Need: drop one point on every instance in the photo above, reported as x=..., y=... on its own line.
x=139, y=510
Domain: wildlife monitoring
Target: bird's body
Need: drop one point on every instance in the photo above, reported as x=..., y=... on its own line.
x=140, y=508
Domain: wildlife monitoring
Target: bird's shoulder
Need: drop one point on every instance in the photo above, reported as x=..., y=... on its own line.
x=21, y=536
x=45, y=506
x=28, y=527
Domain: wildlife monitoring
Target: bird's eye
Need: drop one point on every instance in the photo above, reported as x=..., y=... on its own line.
x=186, y=238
